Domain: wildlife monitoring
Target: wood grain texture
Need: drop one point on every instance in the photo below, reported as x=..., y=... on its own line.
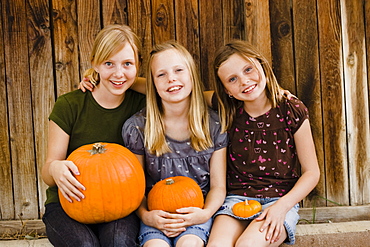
x=41, y=73
x=234, y=17
x=139, y=19
x=333, y=108
x=211, y=38
x=356, y=101
x=21, y=130
x=318, y=51
x=88, y=24
x=257, y=25
x=307, y=77
x=65, y=45
x=187, y=28
x=6, y=180
x=163, y=20
x=282, y=43
x=114, y=12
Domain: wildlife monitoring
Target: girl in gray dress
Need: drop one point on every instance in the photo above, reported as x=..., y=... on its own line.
x=177, y=135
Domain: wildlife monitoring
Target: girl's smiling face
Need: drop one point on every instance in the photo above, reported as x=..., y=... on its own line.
x=171, y=76
x=243, y=79
x=118, y=73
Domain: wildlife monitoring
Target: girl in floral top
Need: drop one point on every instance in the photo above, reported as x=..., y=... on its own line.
x=270, y=143
x=177, y=135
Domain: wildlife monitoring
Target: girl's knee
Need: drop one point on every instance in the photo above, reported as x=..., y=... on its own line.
x=190, y=240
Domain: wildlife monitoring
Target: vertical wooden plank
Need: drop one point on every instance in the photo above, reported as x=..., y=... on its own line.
x=331, y=70
x=88, y=13
x=367, y=39
x=308, y=81
x=139, y=19
x=234, y=20
x=20, y=109
x=40, y=57
x=282, y=43
x=65, y=45
x=187, y=26
x=257, y=25
x=163, y=20
x=6, y=181
x=114, y=12
x=356, y=96
x=211, y=38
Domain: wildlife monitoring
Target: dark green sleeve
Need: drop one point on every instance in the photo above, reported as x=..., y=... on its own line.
x=62, y=114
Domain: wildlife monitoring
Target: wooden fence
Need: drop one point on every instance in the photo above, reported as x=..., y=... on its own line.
x=318, y=49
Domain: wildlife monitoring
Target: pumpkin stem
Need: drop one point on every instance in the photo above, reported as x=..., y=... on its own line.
x=169, y=181
x=97, y=148
x=246, y=202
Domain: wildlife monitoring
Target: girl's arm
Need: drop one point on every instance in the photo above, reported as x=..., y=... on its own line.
x=139, y=85
x=156, y=218
x=57, y=171
x=217, y=192
x=208, y=95
x=306, y=183
x=215, y=196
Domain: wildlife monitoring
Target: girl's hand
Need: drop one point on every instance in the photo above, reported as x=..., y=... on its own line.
x=287, y=94
x=189, y=216
x=62, y=172
x=160, y=219
x=86, y=84
x=273, y=217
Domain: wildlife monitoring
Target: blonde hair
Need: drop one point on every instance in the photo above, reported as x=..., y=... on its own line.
x=227, y=106
x=110, y=40
x=154, y=132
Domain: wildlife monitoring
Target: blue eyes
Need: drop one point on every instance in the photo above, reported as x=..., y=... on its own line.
x=246, y=71
x=126, y=64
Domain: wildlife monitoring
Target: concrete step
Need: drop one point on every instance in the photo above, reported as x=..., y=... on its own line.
x=343, y=234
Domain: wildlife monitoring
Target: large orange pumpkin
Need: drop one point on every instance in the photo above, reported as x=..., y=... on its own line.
x=247, y=208
x=174, y=193
x=114, y=181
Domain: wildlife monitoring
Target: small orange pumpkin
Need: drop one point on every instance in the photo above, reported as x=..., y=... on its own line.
x=114, y=181
x=174, y=193
x=246, y=208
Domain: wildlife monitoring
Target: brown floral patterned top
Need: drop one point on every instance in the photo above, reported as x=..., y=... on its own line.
x=262, y=158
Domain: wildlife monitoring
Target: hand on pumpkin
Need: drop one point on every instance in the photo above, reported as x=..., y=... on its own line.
x=189, y=216
x=273, y=217
x=85, y=84
x=62, y=172
x=160, y=219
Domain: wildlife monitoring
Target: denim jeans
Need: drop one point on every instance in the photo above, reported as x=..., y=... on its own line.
x=291, y=218
x=64, y=231
x=147, y=233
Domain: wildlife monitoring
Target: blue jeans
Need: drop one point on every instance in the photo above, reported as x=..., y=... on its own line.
x=291, y=218
x=147, y=233
x=64, y=231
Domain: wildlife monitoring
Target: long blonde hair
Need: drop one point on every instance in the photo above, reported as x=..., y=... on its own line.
x=110, y=40
x=227, y=106
x=154, y=132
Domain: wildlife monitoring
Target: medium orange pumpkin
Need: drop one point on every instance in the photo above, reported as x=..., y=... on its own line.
x=247, y=208
x=114, y=181
x=174, y=193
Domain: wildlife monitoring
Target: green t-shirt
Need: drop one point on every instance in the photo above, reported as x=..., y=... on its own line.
x=85, y=121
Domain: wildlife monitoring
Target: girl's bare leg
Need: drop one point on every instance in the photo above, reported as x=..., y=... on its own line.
x=225, y=231
x=253, y=237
